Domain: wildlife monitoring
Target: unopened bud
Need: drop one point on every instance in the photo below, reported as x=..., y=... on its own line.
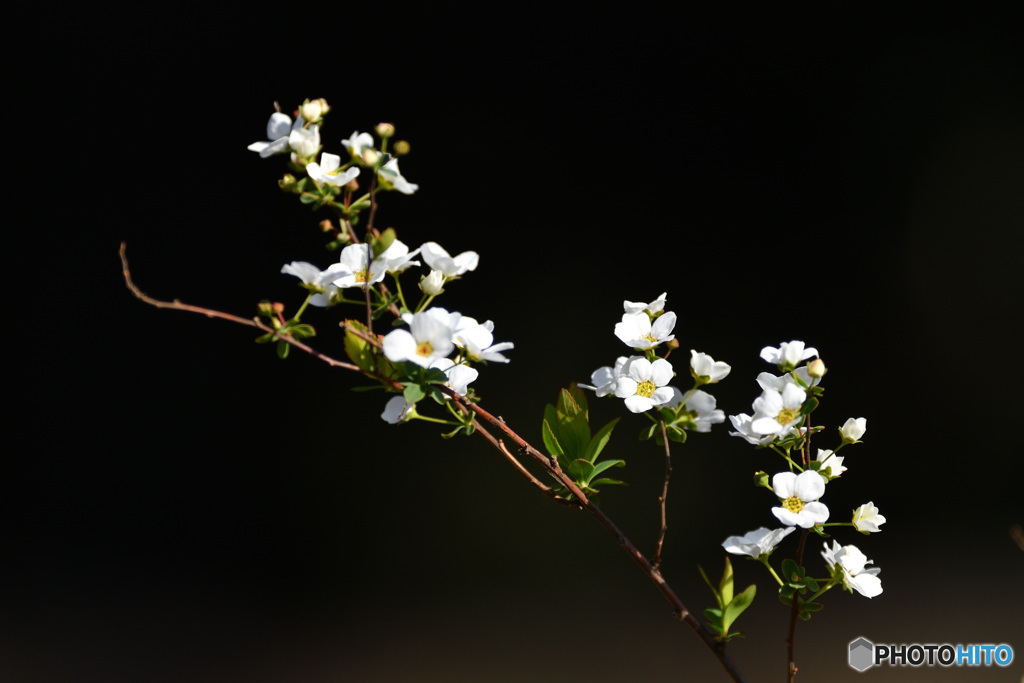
x=277, y=307
x=327, y=226
x=816, y=368
x=400, y=148
x=265, y=308
x=385, y=130
x=287, y=182
x=314, y=110
x=433, y=284
x=370, y=157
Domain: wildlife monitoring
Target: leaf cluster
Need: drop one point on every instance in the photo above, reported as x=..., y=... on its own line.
x=730, y=605
x=567, y=437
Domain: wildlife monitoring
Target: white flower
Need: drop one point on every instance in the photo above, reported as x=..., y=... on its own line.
x=477, y=341
x=652, y=308
x=285, y=135
x=391, y=179
x=357, y=144
x=778, y=382
x=757, y=542
x=866, y=518
x=853, y=563
x=357, y=271
x=304, y=142
x=433, y=284
x=329, y=170
x=788, y=354
x=704, y=365
x=397, y=410
x=701, y=407
x=319, y=280
x=799, y=494
x=606, y=377
x=637, y=331
x=428, y=339
x=830, y=461
x=778, y=413
x=643, y=387
x=438, y=259
x=853, y=429
x=459, y=376
x=397, y=257
x=742, y=424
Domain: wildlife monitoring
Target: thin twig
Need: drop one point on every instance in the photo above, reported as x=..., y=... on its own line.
x=795, y=611
x=680, y=611
x=664, y=494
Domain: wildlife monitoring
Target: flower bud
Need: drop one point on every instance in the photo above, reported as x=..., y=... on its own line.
x=287, y=182
x=433, y=284
x=265, y=308
x=370, y=157
x=400, y=148
x=305, y=141
x=327, y=226
x=385, y=130
x=816, y=368
x=277, y=307
x=853, y=429
x=314, y=110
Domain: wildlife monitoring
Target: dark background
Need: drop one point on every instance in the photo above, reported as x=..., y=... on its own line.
x=185, y=506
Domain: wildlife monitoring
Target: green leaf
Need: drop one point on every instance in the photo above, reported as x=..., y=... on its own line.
x=551, y=441
x=811, y=606
x=718, y=596
x=283, y=348
x=599, y=441
x=385, y=240
x=607, y=482
x=581, y=470
x=809, y=405
x=301, y=331
x=737, y=605
x=573, y=429
x=413, y=393
x=791, y=571
x=605, y=464
x=725, y=585
x=358, y=349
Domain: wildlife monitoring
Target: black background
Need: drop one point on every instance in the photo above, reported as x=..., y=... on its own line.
x=185, y=506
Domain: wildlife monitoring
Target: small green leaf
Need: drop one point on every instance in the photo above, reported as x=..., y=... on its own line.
x=605, y=464
x=791, y=570
x=283, y=348
x=551, y=441
x=809, y=405
x=718, y=596
x=736, y=607
x=581, y=470
x=600, y=440
x=413, y=393
x=725, y=585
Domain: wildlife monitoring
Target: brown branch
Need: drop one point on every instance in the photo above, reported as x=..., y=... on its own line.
x=550, y=464
x=795, y=611
x=664, y=493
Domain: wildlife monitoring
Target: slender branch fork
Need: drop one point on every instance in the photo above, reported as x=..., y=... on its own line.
x=523, y=448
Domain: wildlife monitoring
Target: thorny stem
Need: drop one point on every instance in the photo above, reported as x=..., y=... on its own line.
x=664, y=492
x=549, y=464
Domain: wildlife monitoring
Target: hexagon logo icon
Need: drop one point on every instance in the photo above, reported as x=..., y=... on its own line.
x=862, y=654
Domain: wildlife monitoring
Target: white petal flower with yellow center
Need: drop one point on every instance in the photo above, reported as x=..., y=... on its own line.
x=459, y=376
x=329, y=170
x=778, y=413
x=799, y=494
x=644, y=385
x=637, y=331
x=320, y=281
x=477, y=341
x=866, y=519
x=853, y=564
x=429, y=338
x=757, y=543
x=357, y=272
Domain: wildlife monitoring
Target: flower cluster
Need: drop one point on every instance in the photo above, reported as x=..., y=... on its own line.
x=780, y=421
